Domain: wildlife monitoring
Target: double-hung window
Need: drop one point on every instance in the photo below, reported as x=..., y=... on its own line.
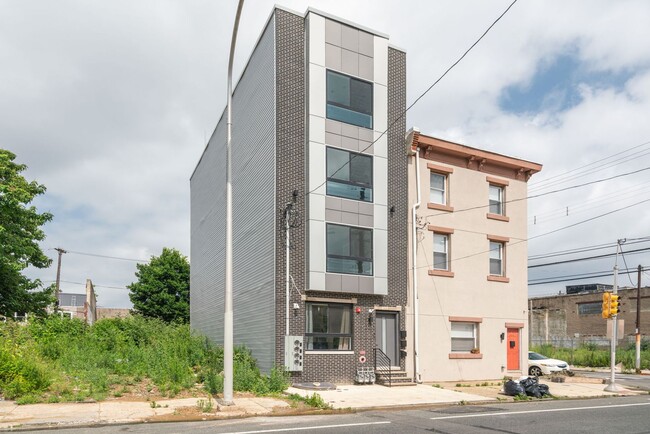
x=496, y=258
x=349, y=100
x=496, y=200
x=349, y=175
x=464, y=337
x=440, y=251
x=329, y=326
x=349, y=250
x=438, y=188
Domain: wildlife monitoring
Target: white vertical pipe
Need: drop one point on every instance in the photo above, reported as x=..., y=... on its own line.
x=416, y=302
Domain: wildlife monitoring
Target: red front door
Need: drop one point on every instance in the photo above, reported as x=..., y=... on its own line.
x=513, y=349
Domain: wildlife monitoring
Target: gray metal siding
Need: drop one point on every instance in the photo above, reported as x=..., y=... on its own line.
x=253, y=214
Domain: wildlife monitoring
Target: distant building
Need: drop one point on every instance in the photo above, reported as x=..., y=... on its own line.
x=576, y=318
x=112, y=312
x=83, y=306
x=590, y=287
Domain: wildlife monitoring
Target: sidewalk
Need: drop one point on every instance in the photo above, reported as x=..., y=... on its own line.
x=352, y=397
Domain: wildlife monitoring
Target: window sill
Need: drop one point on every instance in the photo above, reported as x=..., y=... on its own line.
x=440, y=207
x=499, y=217
x=502, y=279
x=465, y=356
x=441, y=273
x=335, y=352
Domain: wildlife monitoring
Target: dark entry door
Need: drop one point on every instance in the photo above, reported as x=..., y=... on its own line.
x=386, y=330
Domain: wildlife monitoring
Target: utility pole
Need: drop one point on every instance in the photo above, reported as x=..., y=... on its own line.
x=612, y=386
x=637, y=363
x=58, y=275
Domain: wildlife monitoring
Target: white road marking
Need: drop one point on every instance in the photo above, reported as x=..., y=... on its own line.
x=303, y=428
x=508, y=413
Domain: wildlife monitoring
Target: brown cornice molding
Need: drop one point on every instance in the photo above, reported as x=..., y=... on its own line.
x=440, y=169
x=440, y=229
x=443, y=151
x=498, y=238
x=465, y=319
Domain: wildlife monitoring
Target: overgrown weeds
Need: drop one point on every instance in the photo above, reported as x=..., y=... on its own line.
x=591, y=355
x=65, y=360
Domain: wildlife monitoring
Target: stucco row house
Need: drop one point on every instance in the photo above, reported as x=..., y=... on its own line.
x=325, y=218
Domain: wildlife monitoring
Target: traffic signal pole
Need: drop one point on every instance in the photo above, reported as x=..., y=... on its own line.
x=612, y=386
x=637, y=362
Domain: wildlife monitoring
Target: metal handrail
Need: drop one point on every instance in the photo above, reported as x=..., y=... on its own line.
x=385, y=366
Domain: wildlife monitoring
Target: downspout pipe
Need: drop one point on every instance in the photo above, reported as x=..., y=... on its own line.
x=414, y=151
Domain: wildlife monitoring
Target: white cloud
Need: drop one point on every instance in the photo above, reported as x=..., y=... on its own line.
x=110, y=103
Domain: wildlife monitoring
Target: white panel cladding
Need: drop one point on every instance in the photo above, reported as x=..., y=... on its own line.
x=253, y=214
x=381, y=145
x=316, y=281
x=317, y=90
x=316, y=246
x=316, y=25
x=381, y=217
x=381, y=252
x=381, y=61
x=380, y=107
x=380, y=187
x=381, y=286
x=316, y=129
x=316, y=168
x=354, y=52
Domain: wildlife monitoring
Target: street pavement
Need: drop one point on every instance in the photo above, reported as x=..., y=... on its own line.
x=353, y=397
x=604, y=415
x=638, y=381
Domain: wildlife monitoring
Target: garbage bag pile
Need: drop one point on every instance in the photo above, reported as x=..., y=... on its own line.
x=526, y=386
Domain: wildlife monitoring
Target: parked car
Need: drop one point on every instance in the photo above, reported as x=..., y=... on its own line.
x=542, y=365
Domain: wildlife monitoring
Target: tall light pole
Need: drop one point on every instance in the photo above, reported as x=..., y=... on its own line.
x=228, y=313
x=612, y=386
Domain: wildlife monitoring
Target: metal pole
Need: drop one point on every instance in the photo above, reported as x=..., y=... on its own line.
x=228, y=310
x=637, y=362
x=287, y=228
x=612, y=386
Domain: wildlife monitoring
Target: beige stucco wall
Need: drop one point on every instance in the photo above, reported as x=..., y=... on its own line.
x=468, y=293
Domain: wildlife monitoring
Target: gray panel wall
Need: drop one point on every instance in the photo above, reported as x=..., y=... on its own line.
x=253, y=214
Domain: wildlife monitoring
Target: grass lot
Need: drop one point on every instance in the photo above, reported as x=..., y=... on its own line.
x=58, y=359
x=590, y=355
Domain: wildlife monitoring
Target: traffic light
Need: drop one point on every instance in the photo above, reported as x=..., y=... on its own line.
x=607, y=299
x=613, y=305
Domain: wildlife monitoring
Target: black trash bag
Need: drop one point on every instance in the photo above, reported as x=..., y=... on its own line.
x=543, y=388
x=531, y=386
x=513, y=388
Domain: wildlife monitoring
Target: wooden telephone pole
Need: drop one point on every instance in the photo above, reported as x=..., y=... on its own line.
x=58, y=275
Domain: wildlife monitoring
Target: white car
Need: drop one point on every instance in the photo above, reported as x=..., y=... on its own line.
x=542, y=365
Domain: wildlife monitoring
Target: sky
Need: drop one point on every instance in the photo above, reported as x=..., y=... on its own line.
x=110, y=105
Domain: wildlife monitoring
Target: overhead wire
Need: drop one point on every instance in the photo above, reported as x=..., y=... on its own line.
x=588, y=258
x=579, y=250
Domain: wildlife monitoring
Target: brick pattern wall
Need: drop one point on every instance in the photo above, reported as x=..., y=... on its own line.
x=290, y=167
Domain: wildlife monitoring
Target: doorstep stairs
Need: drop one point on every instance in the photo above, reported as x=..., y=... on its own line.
x=397, y=377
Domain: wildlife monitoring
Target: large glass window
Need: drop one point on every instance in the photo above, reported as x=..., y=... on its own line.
x=438, y=189
x=349, y=100
x=590, y=308
x=496, y=200
x=496, y=258
x=440, y=251
x=349, y=175
x=349, y=250
x=464, y=336
x=329, y=326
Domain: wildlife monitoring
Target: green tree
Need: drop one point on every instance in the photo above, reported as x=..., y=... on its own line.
x=163, y=287
x=20, y=232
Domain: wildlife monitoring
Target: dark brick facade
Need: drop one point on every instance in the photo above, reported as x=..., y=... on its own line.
x=291, y=134
x=290, y=166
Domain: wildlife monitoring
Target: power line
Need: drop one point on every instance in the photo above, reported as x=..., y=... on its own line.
x=625, y=262
x=578, y=250
x=83, y=284
x=583, y=278
x=576, y=275
x=107, y=257
x=587, y=258
x=419, y=97
x=536, y=183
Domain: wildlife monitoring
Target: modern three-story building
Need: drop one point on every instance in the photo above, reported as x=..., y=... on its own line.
x=320, y=202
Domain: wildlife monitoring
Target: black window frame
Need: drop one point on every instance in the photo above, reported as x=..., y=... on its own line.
x=360, y=260
x=349, y=108
x=352, y=155
x=329, y=334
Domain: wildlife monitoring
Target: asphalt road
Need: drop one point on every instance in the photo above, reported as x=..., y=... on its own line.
x=626, y=380
x=612, y=415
